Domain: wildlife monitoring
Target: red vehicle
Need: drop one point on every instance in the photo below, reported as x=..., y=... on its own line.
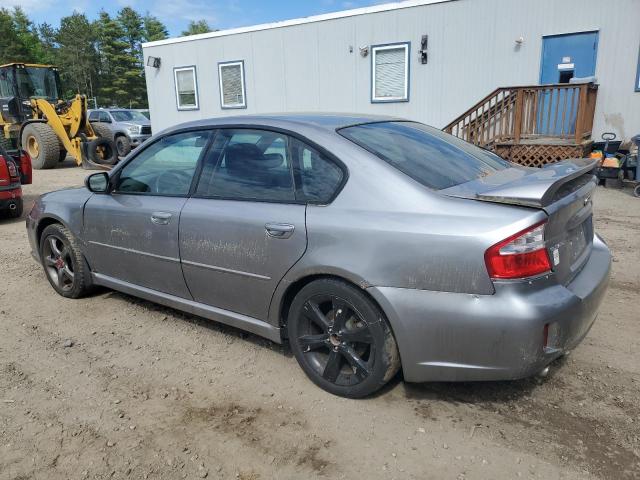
x=15, y=171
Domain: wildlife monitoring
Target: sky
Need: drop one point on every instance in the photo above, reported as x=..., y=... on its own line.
x=176, y=14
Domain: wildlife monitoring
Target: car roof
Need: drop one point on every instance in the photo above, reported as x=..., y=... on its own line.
x=323, y=121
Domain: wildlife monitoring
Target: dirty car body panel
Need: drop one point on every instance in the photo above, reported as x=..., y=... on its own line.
x=418, y=251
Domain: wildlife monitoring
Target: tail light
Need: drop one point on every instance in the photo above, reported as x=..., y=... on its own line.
x=13, y=171
x=25, y=168
x=521, y=255
x=5, y=178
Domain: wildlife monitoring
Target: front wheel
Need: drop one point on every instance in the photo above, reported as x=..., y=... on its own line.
x=63, y=262
x=341, y=339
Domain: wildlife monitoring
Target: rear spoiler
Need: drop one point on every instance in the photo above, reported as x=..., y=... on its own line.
x=530, y=187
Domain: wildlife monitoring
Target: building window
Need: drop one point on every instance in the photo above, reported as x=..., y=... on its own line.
x=186, y=88
x=232, y=90
x=390, y=73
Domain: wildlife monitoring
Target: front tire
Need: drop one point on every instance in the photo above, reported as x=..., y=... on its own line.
x=41, y=143
x=63, y=262
x=341, y=339
x=123, y=145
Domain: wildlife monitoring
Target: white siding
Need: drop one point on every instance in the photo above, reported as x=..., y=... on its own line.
x=472, y=50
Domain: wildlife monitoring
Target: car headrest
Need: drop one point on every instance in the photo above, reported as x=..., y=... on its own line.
x=243, y=157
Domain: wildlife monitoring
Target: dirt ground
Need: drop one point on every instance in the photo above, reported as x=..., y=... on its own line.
x=148, y=392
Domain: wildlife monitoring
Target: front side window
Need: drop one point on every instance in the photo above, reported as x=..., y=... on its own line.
x=232, y=88
x=248, y=165
x=186, y=88
x=390, y=73
x=166, y=167
x=428, y=155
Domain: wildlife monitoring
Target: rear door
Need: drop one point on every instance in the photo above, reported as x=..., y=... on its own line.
x=243, y=228
x=132, y=233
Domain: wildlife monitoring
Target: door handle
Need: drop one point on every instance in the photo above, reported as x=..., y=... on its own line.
x=279, y=230
x=161, y=218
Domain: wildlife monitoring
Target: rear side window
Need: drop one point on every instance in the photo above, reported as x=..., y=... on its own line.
x=248, y=165
x=429, y=156
x=319, y=178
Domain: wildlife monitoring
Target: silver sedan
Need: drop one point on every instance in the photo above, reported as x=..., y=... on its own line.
x=370, y=244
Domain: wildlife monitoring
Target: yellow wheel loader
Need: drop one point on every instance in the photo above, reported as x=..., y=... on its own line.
x=33, y=117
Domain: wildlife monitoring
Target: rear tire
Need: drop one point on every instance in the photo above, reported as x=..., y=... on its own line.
x=636, y=191
x=41, y=143
x=341, y=339
x=123, y=145
x=63, y=263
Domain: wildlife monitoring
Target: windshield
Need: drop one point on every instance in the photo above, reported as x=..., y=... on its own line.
x=429, y=156
x=37, y=82
x=128, y=116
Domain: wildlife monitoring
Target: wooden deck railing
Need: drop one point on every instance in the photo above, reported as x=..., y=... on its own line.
x=514, y=114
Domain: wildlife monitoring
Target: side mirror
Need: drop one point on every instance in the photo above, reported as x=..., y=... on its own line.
x=97, y=182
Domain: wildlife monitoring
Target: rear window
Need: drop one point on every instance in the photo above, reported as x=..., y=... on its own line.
x=429, y=156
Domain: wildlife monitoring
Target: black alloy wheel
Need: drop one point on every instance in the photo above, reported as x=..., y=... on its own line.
x=341, y=339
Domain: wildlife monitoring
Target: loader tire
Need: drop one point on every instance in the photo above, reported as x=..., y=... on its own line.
x=41, y=143
x=102, y=130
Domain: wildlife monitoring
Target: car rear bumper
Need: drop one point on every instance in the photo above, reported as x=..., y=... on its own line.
x=459, y=337
x=10, y=196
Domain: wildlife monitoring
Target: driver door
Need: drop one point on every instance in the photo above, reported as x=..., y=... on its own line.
x=132, y=233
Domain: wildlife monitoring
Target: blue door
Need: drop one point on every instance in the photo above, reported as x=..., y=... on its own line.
x=564, y=57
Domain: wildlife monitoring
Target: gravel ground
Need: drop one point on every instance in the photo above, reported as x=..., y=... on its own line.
x=114, y=387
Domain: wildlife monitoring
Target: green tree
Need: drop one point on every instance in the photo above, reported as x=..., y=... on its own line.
x=154, y=29
x=131, y=24
x=47, y=35
x=12, y=47
x=77, y=54
x=114, y=61
x=28, y=35
x=196, y=27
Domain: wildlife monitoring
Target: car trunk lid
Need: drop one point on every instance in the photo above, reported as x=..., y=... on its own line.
x=563, y=190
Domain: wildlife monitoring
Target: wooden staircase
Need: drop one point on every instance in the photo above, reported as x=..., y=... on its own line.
x=531, y=125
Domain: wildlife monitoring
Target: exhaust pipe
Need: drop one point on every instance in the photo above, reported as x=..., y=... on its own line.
x=12, y=206
x=544, y=372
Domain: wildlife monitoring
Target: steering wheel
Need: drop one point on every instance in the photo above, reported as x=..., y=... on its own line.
x=168, y=182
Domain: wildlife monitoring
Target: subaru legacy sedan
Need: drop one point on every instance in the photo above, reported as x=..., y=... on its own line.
x=370, y=244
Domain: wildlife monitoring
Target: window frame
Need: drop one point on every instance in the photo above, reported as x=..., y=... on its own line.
x=114, y=178
x=184, y=68
x=294, y=167
x=242, y=81
x=407, y=73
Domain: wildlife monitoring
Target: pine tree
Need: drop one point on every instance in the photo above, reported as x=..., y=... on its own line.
x=114, y=61
x=28, y=35
x=196, y=27
x=131, y=24
x=154, y=29
x=12, y=48
x=77, y=54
